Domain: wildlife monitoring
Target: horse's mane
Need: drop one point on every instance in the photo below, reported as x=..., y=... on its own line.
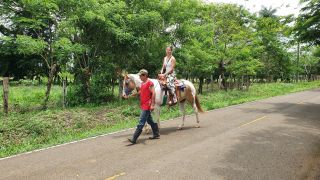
x=136, y=79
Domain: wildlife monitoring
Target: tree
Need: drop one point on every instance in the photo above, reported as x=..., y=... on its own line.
x=13, y=64
x=309, y=62
x=33, y=29
x=244, y=63
x=307, y=30
x=115, y=36
x=273, y=53
x=232, y=29
x=196, y=52
x=308, y=22
x=267, y=12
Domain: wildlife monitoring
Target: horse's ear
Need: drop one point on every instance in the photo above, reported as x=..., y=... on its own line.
x=124, y=74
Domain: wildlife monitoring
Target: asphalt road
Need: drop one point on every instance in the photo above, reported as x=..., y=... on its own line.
x=275, y=138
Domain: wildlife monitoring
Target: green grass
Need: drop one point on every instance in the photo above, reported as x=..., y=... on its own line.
x=21, y=132
x=24, y=98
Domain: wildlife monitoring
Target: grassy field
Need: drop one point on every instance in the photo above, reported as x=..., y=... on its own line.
x=21, y=132
x=24, y=98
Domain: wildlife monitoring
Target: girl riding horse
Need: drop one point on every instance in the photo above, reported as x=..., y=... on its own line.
x=132, y=81
x=168, y=72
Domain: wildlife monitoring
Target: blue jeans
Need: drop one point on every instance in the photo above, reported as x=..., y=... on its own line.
x=145, y=116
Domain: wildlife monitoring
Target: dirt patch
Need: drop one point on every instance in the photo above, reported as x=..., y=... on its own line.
x=311, y=168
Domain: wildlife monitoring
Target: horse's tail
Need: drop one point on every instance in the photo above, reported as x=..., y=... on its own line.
x=198, y=104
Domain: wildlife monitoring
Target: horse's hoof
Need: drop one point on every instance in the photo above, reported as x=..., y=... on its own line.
x=147, y=132
x=179, y=128
x=197, y=126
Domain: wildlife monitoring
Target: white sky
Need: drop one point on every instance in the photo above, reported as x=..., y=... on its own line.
x=284, y=7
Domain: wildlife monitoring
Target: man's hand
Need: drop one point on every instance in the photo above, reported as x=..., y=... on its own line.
x=152, y=107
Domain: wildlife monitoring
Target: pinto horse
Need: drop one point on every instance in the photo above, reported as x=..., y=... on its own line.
x=132, y=81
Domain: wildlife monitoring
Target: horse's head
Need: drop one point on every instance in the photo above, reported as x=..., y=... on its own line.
x=129, y=84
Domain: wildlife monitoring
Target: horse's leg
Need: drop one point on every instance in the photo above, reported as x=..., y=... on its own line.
x=195, y=109
x=146, y=128
x=156, y=114
x=183, y=113
x=156, y=118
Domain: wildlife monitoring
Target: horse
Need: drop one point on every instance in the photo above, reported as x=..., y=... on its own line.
x=133, y=81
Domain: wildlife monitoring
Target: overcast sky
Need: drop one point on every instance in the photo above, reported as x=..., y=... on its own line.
x=284, y=7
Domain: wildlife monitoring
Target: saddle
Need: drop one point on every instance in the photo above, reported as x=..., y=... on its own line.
x=179, y=86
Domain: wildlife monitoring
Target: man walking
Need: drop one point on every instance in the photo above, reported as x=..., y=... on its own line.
x=147, y=100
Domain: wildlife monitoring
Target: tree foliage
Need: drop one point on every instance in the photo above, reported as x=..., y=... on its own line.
x=95, y=41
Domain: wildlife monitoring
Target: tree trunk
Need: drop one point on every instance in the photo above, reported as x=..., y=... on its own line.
x=120, y=80
x=86, y=84
x=49, y=84
x=223, y=82
x=298, y=60
x=242, y=82
x=309, y=77
x=6, y=95
x=113, y=85
x=248, y=82
x=59, y=79
x=211, y=83
x=201, y=85
x=64, y=92
x=54, y=80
